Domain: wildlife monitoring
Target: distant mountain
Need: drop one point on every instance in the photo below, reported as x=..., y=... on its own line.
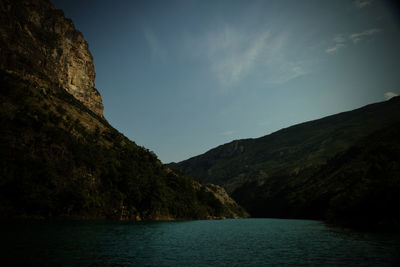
x=59, y=157
x=343, y=168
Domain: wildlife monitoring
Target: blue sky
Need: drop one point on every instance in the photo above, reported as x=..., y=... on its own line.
x=181, y=77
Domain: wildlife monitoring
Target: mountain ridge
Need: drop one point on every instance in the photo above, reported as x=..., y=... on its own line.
x=269, y=175
x=237, y=148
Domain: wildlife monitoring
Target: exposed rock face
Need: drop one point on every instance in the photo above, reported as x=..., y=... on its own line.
x=42, y=46
x=234, y=211
x=58, y=159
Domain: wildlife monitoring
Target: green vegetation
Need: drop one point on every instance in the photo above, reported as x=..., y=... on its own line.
x=52, y=165
x=358, y=188
x=343, y=168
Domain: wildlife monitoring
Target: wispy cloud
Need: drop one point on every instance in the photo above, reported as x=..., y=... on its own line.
x=357, y=37
x=389, y=95
x=362, y=3
x=334, y=49
x=156, y=49
x=234, y=53
x=339, y=38
x=286, y=71
x=340, y=41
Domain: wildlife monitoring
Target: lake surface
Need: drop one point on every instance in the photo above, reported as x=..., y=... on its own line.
x=240, y=242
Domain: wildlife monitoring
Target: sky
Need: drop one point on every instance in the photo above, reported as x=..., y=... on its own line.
x=180, y=77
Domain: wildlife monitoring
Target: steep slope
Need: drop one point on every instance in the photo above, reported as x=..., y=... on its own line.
x=289, y=150
x=40, y=45
x=359, y=187
x=59, y=156
x=333, y=168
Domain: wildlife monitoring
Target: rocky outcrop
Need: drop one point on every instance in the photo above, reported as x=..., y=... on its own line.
x=40, y=45
x=60, y=160
x=233, y=210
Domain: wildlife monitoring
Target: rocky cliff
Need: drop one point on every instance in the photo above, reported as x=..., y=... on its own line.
x=58, y=156
x=40, y=45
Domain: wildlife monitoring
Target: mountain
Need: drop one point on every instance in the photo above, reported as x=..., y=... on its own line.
x=42, y=46
x=343, y=168
x=59, y=156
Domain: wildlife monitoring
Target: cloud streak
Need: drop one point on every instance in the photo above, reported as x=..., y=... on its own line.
x=156, y=49
x=340, y=41
x=357, y=37
x=334, y=49
x=234, y=54
x=362, y=3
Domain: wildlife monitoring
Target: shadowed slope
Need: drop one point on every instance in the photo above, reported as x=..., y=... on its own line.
x=305, y=171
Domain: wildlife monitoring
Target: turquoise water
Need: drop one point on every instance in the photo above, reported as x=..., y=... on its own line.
x=241, y=242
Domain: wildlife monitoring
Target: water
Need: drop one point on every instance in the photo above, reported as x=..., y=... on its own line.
x=242, y=242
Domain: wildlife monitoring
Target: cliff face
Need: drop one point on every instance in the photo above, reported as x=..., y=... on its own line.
x=58, y=156
x=40, y=45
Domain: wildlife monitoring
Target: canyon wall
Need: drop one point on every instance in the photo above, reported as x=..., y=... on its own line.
x=40, y=45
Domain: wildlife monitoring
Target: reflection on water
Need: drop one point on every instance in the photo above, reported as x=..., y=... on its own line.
x=243, y=242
